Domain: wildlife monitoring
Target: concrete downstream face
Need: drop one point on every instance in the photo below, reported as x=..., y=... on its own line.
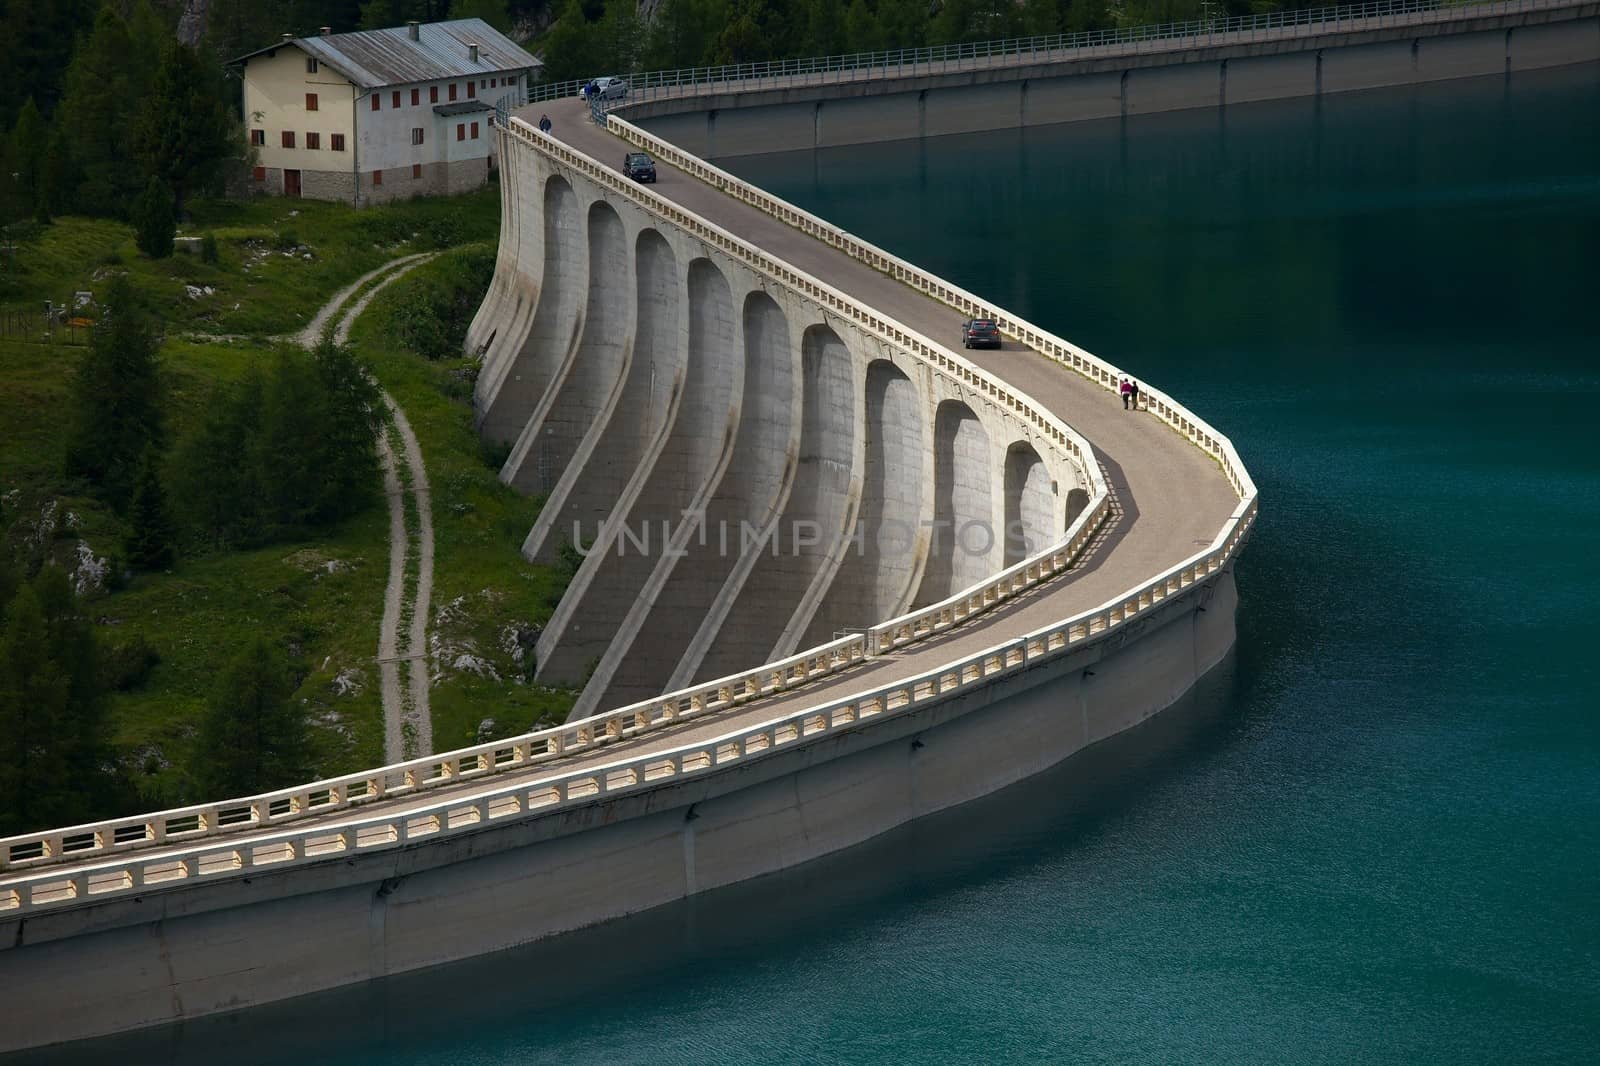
x=746, y=475
x=651, y=353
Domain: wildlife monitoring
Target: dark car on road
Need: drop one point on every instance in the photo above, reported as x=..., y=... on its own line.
x=980, y=333
x=639, y=166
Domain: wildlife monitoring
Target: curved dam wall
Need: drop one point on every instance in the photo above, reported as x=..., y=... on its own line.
x=179, y=914
x=755, y=120
x=746, y=473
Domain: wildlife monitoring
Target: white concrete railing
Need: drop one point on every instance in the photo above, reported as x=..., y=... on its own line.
x=1069, y=355
x=318, y=843
x=324, y=797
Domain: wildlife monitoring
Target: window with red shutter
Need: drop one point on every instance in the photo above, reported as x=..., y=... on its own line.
x=288, y=138
x=258, y=137
x=461, y=131
x=337, y=142
x=311, y=101
x=377, y=101
x=433, y=94
x=474, y=131
x=416, y=170
x=452, y=90
x=472, y=89
x=416, y=97
x=260, y=173
x=377, y=177
x=314, y=140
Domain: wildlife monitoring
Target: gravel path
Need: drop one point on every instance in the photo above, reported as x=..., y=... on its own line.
x=402, y=636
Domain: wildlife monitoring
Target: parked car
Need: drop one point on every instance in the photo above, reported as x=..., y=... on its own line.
x=607, y=88
x=980, y=333
x=639, y=167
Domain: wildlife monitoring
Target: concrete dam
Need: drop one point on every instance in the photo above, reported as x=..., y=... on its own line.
x=833, y=572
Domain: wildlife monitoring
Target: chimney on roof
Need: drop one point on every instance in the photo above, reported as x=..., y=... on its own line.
x=472, y=52
x=414, y=30
x=288, y=37
x=327, y=31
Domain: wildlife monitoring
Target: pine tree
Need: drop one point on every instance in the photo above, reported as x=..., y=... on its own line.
x=154, y=226
x=252, y=738
x=149, y=542
x=572, y=47
x=39, y=39
x=26, y=156
x=291, y=447
x=50, y=710
x=214, y=472
x=96, y=116
x=116, y=398
x=184, y=133
x=349, y=473
x=33, y=701
x=383, y=14
x=491, y=11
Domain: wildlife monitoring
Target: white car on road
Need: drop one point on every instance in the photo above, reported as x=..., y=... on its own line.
x=608, y=88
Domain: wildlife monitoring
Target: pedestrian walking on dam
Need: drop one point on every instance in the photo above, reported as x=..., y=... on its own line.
x=1127, y=393
x=1133, y=392
x=544, y=123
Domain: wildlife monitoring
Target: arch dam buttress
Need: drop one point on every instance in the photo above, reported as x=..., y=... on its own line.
x=746, y=471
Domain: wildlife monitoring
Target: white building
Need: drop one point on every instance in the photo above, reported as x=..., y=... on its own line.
x=380, y=114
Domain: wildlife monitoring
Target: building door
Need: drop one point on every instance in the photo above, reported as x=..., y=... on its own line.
x=291, y=183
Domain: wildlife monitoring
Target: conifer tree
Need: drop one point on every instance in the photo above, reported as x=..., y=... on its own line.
x=116, y=398
x=184, y=133
x=153, y=224
x=491, y=11
x=291, y=446
x=149, y=545
x=252, y=738
x=214, y=472
x=50, y=710
x=98, y=106
x=25, y=157
x=355, y=414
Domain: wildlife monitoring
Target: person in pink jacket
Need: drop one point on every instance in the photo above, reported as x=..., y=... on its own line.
x=1127, y=393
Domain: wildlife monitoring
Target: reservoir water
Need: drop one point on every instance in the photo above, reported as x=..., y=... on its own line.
x=1375, y=834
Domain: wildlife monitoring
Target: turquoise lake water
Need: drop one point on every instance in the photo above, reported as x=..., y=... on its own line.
x=1375, y=834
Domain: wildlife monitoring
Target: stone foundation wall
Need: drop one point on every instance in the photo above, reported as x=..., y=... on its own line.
x=399, y=183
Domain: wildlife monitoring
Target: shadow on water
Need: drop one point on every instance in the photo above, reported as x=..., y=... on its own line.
x=518, y=992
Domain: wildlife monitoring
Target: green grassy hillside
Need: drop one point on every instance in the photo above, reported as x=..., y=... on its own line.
x=318, y=599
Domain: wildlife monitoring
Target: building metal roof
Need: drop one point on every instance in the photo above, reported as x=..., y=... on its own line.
x=375, y=58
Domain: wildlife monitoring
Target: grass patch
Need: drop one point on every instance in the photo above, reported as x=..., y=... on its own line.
x=278, y=260
x=484, y=592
